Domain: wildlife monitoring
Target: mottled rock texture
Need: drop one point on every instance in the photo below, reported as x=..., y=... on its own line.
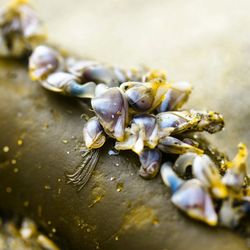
x=207, y=43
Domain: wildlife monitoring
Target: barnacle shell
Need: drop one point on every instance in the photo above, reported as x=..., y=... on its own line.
x=173, y=145
x=237, y=169
x=77, y=67
x=20, y=29
x=175, y=97
x=148, y=124
x=136, y=74
x=44, y=61
x=181, y=121
x=189, y=196
x=205, y=170
x=172, y=121
x=230, y=215
x=210, y=121
x=93, y=134
x=183, y=162
x=111, y=108
x=143, y=132
x=193, y=199
x=169, y=177
x=67, y=84
x=133, y=140
x=102, y=74
x=32, y=27
x=139, y=96
x=150, y=160
x=155, y=74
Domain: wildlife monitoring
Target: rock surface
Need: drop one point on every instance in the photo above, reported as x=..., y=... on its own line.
x=205, y=43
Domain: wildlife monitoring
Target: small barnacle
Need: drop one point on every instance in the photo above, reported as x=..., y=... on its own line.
x=150, y=160
x=103, y=74
x=91, y=71
x=44, y=61
x=155, y=74
x=67, y=84
x=111, y=108
x=87, y=70
x=193, y=199
x=139, y=96
x=190, y=196
x=136, y=74
x=77, y=67
x=210, y=121
x=155, y=92
x=192, y=121
x=175, y=97
x=237, y=169
x=93, y=134
x=204, y=169
x=142, y=132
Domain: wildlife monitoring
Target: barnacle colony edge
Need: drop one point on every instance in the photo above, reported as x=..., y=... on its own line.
x=141, y=111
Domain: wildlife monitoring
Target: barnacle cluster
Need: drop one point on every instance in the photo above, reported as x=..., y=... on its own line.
x=20, y=29
x=142, y=111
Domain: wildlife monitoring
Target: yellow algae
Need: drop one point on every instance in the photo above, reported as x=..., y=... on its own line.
x=97, y=194
x=83, y=225
x=139, y=217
